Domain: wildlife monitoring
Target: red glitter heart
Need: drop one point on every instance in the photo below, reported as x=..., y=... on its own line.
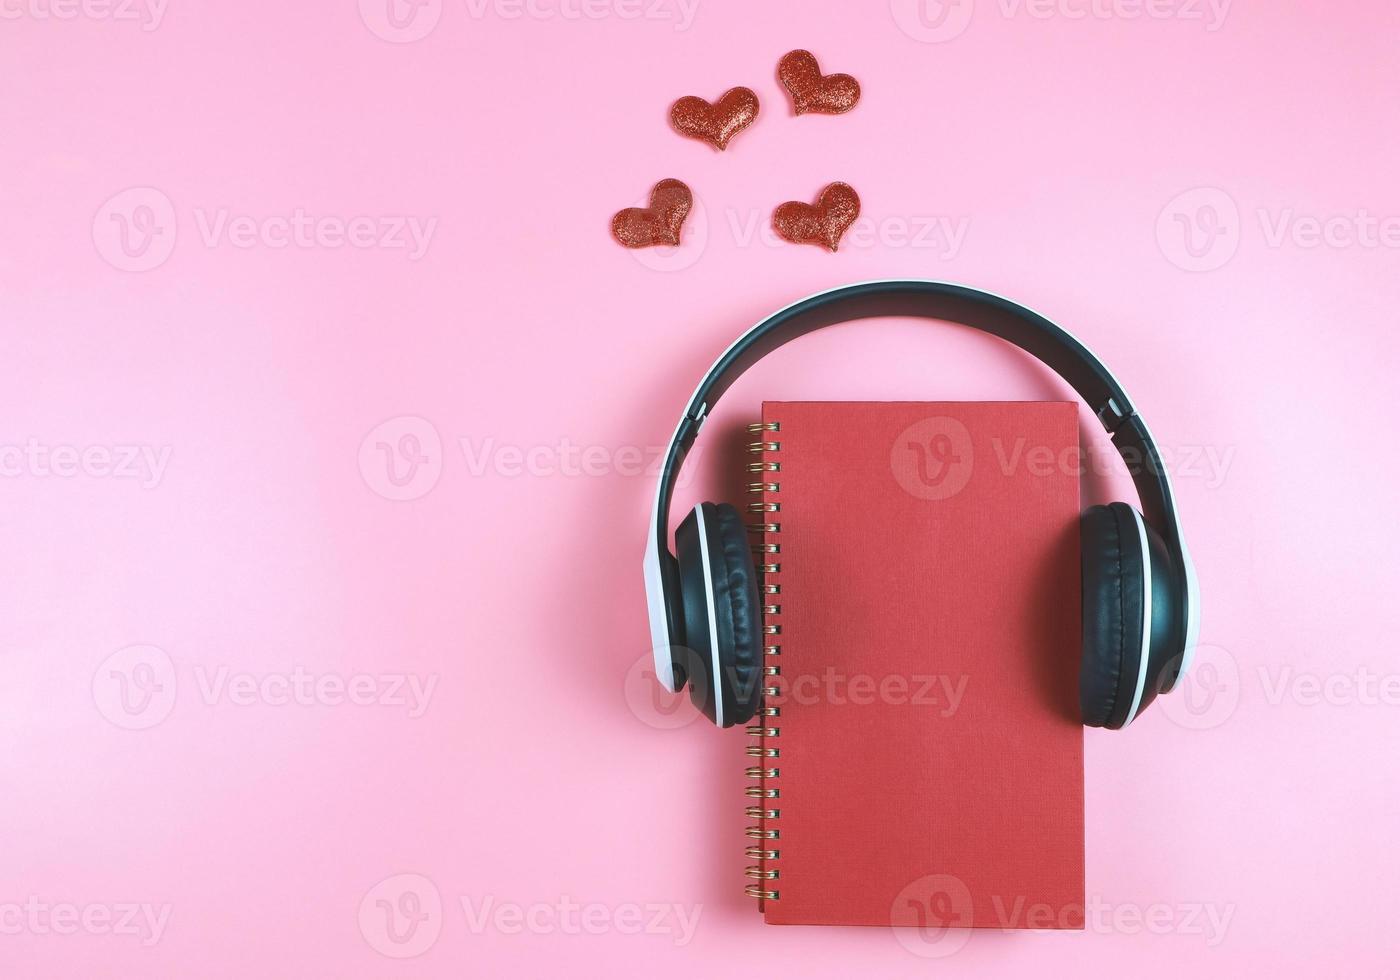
x=822, y=223
x=811, y=90
x=715, y=124
x=659, y=223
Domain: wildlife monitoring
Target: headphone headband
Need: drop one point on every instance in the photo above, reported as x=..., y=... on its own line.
x=1053, y=346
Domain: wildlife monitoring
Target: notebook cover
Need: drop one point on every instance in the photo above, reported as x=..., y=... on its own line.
x=930, y=756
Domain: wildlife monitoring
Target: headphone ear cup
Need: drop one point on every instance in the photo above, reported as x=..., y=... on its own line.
x=1113, y=570
x=723, y=619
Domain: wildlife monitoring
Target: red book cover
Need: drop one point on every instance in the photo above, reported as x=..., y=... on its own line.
x=923, y=611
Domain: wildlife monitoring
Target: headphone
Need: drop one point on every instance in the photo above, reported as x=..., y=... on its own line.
x=1139, y=591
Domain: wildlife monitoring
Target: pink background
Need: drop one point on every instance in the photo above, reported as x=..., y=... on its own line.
x=1073, y=151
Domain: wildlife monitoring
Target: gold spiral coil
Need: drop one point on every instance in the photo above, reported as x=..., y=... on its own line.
x=764, y=528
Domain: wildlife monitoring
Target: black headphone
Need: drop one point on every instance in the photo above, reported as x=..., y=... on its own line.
x=1141, y=605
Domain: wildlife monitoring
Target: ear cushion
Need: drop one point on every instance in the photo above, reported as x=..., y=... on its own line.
x=721, y=614
x=736, y=588
x=1113, y=570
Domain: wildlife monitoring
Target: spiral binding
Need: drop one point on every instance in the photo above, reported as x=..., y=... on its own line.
x=765, y=770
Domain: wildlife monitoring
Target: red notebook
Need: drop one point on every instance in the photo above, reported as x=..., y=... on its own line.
x=920, y=757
